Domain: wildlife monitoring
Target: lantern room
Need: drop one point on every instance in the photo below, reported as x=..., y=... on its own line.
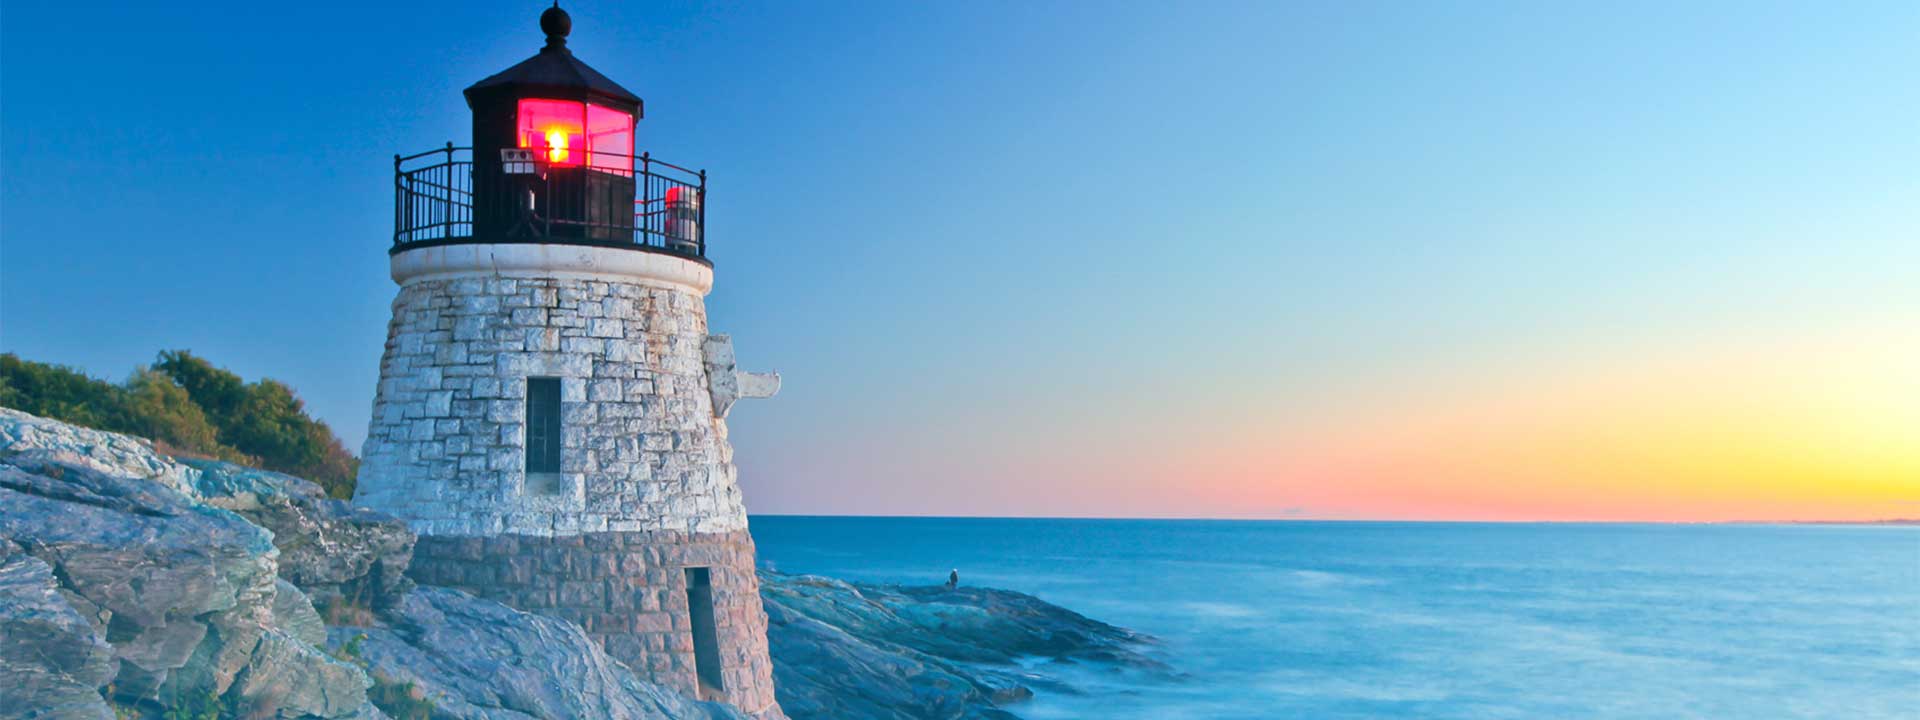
x=553, y=160
x=573, y=177
x=555, y=103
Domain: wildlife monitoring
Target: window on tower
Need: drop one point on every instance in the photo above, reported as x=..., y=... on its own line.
x=543, y=435
x=610, y=139
x=575, y=133
x=556, y=127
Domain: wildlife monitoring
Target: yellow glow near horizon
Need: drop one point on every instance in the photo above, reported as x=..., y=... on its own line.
x=1766, y=431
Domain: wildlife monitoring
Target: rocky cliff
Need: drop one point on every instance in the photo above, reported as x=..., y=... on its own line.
x=133, y=584
x=136, y=585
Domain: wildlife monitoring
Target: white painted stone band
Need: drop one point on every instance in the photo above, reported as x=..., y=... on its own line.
x=580, y=262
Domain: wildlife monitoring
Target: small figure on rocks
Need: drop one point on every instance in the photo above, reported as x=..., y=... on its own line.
x=953, y=579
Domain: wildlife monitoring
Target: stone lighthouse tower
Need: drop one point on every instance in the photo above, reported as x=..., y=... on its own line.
x=551, y=411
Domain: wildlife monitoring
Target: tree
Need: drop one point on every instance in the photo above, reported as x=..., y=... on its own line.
x=61, y=393
x=219, y=392
x=188, y=406
x=160, y=409
x=264, y=419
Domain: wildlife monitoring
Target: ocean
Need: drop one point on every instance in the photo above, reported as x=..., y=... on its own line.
x=1436, y=620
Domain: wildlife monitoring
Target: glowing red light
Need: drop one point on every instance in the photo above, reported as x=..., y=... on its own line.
x=572, y=132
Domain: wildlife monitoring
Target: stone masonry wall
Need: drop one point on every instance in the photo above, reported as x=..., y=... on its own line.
x=628, y=590
x=641, y=448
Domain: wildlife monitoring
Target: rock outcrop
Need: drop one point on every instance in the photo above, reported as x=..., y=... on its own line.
x=52, y=658
x=133, y=584
x=858, y=651
x=340, y=555
x=182, y=594
x=479, y=659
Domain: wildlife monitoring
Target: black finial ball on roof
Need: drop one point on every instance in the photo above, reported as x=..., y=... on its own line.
x=556, y=24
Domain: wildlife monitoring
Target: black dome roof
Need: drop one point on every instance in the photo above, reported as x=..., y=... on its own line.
x=555, y=73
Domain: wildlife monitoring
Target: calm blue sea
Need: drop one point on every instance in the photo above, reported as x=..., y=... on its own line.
x=1438, y=620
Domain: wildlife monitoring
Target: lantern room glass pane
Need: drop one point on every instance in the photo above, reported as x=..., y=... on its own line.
x=556, y=126
x=610, y=138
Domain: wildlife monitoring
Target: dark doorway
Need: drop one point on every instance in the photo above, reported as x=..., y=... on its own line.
x=706, y=637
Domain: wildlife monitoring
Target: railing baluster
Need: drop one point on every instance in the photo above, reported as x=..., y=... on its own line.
x=649, y=194
x=436, y=201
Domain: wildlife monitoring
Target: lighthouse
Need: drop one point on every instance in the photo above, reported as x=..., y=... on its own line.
x=551, y=413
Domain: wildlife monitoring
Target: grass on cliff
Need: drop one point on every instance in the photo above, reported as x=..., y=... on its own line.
x=399, y=700
x=189, y=407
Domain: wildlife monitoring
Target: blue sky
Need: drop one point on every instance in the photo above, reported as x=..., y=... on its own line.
x=985, y=242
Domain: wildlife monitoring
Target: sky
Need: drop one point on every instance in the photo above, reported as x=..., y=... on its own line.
x=1381, y=260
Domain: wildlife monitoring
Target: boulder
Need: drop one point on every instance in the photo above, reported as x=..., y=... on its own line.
x=294, y=613
x=822, y=671
x=53, y=660
x=860, y=651
x=476, y=659
x=185, y=595
x=342, y=556
x=33, y=438
x=160, y=569
x=294, y=679
x=339, y=554
x=991, y=625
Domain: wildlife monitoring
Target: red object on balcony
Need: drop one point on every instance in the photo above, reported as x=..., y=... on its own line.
x=683, y=215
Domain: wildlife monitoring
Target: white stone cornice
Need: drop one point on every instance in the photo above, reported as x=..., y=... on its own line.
x=582, y=262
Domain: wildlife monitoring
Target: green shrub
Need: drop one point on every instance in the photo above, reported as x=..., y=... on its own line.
x=159, y=409
x=189, y=407
x=264, y=419
x=195, y=706
x=401, y=701
x=351, y=649
x=62, y=393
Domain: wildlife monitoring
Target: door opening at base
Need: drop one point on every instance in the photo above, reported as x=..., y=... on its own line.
x=706, y=637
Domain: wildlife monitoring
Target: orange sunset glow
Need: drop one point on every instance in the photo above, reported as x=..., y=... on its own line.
x=1723, y=428
x=1755, y=432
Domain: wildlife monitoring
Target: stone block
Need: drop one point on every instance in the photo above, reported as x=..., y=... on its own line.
x=486, y=387
x=605, y=328
x=452, y=353
x=503, y=459
x=605, y=391
x=543, y=339
x=479, y=305
x=652, y=622
x=584, y=345
x=424, y=379
x=506, y=411
x=421, y=430
x=471, y=327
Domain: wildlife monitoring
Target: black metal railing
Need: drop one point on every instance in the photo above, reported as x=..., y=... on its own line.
x=448, y=196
